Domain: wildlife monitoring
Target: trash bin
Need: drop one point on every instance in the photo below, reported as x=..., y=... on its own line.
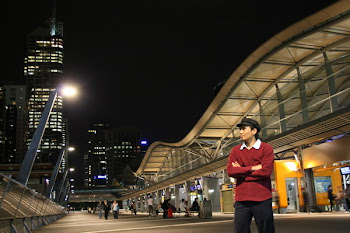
x=206, y=210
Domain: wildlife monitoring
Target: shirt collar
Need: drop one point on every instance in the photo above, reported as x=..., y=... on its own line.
x=256, y=145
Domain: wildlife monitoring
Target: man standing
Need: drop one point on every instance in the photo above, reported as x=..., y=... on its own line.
x=347, y=196
x=251, y=163
x=100, y=207
x=106, y=209
x=331, y=196
x=115, y=208
x=150, y=206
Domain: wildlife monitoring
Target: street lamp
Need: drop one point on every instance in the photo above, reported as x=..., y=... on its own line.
x=31, y=153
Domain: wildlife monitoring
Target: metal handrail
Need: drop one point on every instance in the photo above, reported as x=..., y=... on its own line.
x=18, y=201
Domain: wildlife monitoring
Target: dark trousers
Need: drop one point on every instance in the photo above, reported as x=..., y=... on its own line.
x=106, y=214
x=150, y=210
x=165, y=213
x=332, y=203
x=115, y=214
x=262, y=212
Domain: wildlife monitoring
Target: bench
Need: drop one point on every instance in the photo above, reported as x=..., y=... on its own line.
x=190, y=212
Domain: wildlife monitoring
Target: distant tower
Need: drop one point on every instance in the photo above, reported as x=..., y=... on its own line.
x=14, y=124
x=43, y=71
x=123, y=149
x=95, y=161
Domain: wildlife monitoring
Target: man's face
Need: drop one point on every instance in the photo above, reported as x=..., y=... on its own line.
x=246, y=133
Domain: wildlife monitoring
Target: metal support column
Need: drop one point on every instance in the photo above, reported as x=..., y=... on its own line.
x=30, y=156
x=331, y=84
x=262, y=122
x=60, y=190
x=310, y=189
x=281, y=109
x=205, y=188
x=305, y=111
x=64, y=193
x=55, y=172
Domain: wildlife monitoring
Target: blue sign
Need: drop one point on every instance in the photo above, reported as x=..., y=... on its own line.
x=101, y=177
x=143, y=142
x=345, y=170
x=322, y=183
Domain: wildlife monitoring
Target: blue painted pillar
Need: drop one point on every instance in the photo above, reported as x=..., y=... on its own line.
x=54, y=173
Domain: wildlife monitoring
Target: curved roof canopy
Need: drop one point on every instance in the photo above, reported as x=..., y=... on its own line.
x=299, y=75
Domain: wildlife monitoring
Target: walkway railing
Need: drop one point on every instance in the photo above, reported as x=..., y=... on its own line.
x=22, y=209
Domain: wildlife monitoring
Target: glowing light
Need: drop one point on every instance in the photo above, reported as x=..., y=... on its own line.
x=69, y=91
x=71, y=169
x=71, y=148
x=143, y=142
x=292, y=166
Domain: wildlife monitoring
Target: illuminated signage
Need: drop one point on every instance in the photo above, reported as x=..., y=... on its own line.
x=345, y=170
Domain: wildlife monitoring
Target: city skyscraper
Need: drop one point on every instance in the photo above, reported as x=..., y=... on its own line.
x=123, y=149
x=95, y=161
x=43, y=71
x=13, y=123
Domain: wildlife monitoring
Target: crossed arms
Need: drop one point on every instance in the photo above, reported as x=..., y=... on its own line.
x=251, y=172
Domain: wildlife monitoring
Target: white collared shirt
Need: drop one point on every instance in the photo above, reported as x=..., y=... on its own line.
x=256, y=145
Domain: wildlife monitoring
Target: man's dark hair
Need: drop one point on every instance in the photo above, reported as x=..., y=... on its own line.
x=251, y=127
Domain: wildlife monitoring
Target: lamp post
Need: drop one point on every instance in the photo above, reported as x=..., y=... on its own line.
x=31, y=153
x=55, y=172
x=64, y=153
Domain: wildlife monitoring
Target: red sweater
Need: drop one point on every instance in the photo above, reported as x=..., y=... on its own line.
x=252, y=185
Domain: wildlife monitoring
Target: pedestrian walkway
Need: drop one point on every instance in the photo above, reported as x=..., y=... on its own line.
x=83, y=222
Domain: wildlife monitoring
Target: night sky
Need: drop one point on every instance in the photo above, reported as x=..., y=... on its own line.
x=147, y=64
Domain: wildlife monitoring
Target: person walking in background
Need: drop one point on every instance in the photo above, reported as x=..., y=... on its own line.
x=165, y=207
x=106, y=209
x=100, y=209
x=150, y=206
x=306, y=199
x=341, y=199
x=331, y=196
x=347, y=196
x=195, y=205
x=251, y=163
x=133, y=208
x=183, y=207
x=115, y=208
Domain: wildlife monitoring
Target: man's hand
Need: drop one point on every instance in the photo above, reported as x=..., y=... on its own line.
x=235, y=164
x=256, y=167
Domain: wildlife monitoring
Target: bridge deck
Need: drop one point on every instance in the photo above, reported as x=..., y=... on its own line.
x=83, y=222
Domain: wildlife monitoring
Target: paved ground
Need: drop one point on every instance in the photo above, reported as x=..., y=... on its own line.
x=83, y=222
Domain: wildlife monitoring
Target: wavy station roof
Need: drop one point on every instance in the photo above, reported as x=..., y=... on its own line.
x=296, y=85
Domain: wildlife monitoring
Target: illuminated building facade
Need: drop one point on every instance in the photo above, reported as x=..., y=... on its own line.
x=123, y=148
x=13, y=126
x=43, y=71
x=95, y=161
